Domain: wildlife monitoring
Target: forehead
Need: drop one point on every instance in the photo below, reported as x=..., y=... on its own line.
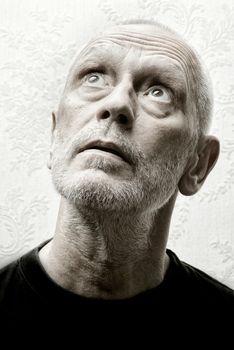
x=148, y=44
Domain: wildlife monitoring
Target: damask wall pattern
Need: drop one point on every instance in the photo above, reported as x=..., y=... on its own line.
x=38, y=40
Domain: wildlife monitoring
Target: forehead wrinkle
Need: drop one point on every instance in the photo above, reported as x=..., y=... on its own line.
x=178, y=50
x=175, y=42
x=143, y=39
x=166, y=52
x=151, y=38
x=92, y=45
x=169, y=42
x=143, y=43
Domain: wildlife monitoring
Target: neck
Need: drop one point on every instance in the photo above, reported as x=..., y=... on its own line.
x=108, y=256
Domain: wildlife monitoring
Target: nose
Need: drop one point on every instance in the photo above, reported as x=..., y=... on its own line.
x=118, y=106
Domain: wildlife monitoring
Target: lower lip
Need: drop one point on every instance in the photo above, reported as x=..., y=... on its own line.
x=103, y=154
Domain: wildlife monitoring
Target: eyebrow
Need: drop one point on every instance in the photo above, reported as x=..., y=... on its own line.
x=91, y=63
x=168, y=73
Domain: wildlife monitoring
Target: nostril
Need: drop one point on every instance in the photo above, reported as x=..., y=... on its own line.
x=120, y=118
x=105, y=115
x=123, y=119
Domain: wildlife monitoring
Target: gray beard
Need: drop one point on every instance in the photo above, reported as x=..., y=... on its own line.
x=151, y=185
x=149, y=188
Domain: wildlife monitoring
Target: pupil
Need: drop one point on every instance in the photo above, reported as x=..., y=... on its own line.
x=157, y=92
x=93, y=78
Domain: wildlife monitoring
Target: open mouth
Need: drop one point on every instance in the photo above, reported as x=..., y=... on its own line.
x=109, y=150
x=108, y=147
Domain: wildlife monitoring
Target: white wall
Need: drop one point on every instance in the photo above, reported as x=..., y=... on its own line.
x=38, y=39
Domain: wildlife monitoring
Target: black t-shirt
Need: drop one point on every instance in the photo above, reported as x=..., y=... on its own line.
x=188, y=303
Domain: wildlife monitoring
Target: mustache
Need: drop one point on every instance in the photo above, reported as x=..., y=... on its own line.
x=129, y=148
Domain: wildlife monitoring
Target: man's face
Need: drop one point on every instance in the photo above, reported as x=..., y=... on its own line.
x=123, y=130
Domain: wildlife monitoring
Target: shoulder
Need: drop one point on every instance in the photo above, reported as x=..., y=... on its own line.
x=198, y=301
x=208, y=287
x=7, y=272
x=12, y=276
x=8, y=275
x=201, y=287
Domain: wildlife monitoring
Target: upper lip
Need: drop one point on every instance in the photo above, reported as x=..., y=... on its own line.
x=105, y=146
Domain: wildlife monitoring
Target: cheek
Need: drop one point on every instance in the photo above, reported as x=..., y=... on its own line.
x=72, y=116
x=163, y=136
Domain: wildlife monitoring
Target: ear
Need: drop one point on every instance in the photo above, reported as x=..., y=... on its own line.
x=200, y=165
x=53, y=127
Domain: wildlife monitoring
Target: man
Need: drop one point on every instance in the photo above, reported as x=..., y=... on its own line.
x=130, y=132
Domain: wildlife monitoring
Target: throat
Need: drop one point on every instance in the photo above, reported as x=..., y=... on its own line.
x=105, y=257
x=104, y=280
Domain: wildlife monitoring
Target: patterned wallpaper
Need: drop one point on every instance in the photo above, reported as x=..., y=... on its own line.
x=38, y=39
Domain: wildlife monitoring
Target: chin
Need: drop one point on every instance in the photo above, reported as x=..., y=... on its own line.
x=94, y=189
x=108, y=190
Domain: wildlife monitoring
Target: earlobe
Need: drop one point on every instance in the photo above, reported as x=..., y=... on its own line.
x=200, y=166
x=188, y=182
x=53, y=127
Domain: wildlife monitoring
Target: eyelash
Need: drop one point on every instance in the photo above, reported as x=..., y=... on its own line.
x=88, y=71
x=159, y=84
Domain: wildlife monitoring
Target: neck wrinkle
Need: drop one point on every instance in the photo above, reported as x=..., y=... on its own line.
x=108, y=256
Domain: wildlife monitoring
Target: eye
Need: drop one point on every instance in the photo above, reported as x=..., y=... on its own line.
x=159, y=93
x=95, y=79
